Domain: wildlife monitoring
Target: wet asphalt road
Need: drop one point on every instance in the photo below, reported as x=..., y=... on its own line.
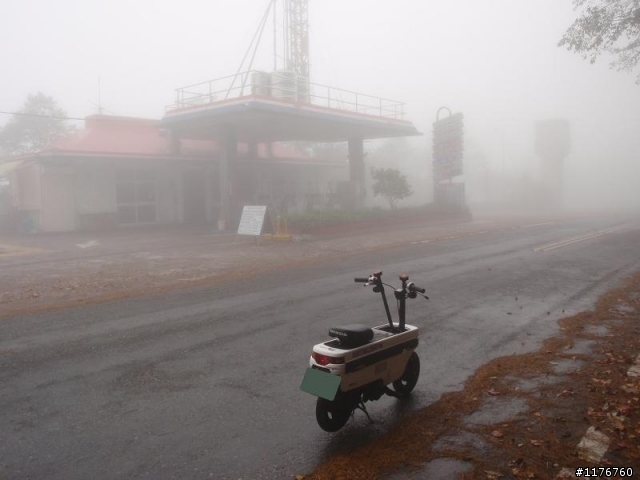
x=204, y=383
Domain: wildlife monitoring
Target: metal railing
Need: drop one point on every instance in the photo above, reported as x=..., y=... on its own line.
x=285, y=87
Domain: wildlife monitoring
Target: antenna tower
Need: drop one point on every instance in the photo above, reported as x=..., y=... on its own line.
x=296, y=20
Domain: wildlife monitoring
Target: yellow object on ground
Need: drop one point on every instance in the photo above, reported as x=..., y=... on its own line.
x=11, y=250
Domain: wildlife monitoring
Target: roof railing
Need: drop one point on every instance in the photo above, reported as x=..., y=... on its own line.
x=285, y=87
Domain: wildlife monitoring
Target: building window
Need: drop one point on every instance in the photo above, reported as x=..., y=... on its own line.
x=136, y=196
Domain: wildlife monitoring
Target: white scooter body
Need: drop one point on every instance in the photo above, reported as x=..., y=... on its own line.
x=360, y=363
x=383, y=359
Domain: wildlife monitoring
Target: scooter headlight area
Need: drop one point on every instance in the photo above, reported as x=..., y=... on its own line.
x=359, y=363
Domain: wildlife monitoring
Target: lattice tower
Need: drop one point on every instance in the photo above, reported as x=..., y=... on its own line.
x=297, y=23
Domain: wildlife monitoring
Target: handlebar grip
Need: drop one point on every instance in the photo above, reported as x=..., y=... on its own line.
x=361, y=280
x=417, y=289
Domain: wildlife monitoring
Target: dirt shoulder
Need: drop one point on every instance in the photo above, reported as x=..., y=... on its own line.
x=526, y=416
x=40, y=273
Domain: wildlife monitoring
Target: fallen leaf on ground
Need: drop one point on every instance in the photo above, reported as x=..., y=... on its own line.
x=565, y=393
x=594, y=413
x=600, y=381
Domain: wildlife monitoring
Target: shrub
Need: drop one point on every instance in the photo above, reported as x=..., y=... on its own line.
x=312, y=220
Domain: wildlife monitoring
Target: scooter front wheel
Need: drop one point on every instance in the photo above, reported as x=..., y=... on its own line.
x=331, y=416
x=406, y=383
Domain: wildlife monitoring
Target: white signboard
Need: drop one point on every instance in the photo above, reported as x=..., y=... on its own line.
x=252, y=220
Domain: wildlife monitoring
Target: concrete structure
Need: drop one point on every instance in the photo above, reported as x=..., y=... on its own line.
x=240, y=108
x=120, y=171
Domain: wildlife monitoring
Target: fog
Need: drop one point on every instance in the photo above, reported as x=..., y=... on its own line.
x=497, y=61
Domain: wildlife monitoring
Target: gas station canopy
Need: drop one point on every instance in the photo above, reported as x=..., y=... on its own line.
x=271, y=107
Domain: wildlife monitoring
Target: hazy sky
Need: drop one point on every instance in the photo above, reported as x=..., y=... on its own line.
x=495, y=60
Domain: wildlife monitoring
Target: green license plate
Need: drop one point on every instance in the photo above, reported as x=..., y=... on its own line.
x=321, y=384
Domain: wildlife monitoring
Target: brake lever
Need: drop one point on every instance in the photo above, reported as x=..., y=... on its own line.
x=409, y=285
x=371, y=281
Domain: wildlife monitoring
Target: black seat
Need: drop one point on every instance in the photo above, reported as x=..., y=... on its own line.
x=352, y=336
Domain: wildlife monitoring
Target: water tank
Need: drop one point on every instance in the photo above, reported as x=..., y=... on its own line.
x=261, y=84
x=284, y=85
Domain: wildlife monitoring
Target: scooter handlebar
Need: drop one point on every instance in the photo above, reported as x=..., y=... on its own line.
x=415, y=288
x=361, y=279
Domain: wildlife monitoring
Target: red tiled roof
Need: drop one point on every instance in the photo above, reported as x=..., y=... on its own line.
x=115, y=136
x=122, y=136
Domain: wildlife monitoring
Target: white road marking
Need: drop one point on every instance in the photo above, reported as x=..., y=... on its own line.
x=89, y=244
x=538, y=224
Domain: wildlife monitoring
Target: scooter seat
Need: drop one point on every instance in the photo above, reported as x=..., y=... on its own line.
x=352, y=336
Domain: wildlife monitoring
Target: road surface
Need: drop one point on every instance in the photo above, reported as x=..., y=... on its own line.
x=203, y=383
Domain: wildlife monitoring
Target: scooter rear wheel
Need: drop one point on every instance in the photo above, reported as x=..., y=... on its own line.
x=406, y=383
x=331, y=416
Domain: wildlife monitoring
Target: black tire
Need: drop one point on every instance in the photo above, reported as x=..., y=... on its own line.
x=331, y=416
x=406, y=383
